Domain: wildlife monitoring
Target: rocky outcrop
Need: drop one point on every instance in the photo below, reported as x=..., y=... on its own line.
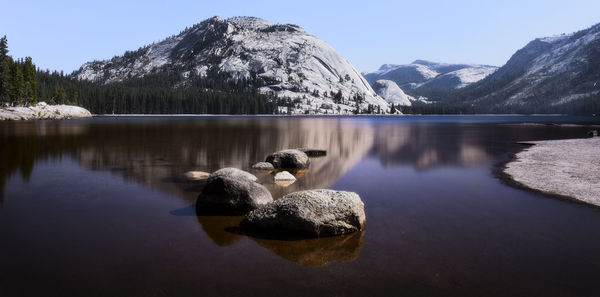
x=232, y=191
x=312, y=213
x=289, y=159
x=43, y=111
x=566, y=167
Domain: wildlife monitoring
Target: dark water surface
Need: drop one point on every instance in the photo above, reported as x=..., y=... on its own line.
x=99, y=207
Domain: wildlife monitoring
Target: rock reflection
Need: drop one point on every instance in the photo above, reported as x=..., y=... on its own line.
x=216, y=228
x=155, y=153
x=316, y=252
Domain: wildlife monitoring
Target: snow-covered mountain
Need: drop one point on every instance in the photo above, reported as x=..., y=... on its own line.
x=545, y=74
x=390, y=91
x=283, y=60
x=423, y=77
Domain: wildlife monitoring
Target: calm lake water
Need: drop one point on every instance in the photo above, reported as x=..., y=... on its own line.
x=99, y=207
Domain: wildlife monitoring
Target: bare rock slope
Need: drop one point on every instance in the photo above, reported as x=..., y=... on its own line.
x=283, y=60
x=565, y=167
x=43, y=111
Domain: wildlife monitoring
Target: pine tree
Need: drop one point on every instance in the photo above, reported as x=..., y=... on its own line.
x=4, y=70
x=59, y=95
x=30, y=80
x=16, y=84
x=337, y=98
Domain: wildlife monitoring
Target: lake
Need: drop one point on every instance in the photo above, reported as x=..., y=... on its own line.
x=100, y=207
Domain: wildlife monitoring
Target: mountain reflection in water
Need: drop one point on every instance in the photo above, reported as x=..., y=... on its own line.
x=101, y=207
x=156, y=151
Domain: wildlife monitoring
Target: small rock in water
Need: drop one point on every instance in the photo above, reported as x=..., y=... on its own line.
x=263, y=166
x=232, y=191
x=289, y=159
x=313, y=213
x=592, y=133
x=284, y=179
x=284, y=175
x=313, y=152
x=196, y=175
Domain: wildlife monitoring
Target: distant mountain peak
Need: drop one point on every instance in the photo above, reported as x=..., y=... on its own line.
x=421, y=77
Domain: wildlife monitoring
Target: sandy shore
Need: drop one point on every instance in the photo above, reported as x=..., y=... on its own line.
x=43, y=111
x=562, y=167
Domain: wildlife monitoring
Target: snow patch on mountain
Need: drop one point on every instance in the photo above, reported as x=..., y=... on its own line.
x=291, y=62
x=393, y=94
x=422, y=75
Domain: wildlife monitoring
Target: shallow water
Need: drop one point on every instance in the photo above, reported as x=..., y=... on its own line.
x=99, y=207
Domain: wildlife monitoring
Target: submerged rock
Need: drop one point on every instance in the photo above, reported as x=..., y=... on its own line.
x=263, y=166
x=284, y=178
x=313, y=213
x=289, y=159
x=313, y=152
x=232, y=191
x=196, y=175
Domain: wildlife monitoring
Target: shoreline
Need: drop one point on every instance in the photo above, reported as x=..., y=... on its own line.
x=43, y=111
x=567, y=169
x=325, y=115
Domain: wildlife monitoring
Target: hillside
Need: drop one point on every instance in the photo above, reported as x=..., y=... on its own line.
x=552, y=74
x=282, y=61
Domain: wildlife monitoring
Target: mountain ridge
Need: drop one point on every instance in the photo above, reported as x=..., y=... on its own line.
x=422, y=77
x=282, y=60
x=547, y=73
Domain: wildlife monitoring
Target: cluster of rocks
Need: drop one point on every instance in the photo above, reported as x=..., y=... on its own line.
x=281, y=162
x=310, y=213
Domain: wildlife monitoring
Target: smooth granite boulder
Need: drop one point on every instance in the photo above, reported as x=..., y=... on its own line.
x=234, y=173
x=312, y=213
x=289, y=159
x=232, y=191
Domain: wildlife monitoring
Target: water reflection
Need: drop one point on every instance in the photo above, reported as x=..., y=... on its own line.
x=216, y=227
x=155, y=152
x=316, y=252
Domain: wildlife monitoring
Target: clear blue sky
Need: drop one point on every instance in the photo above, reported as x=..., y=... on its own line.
x=62, y=35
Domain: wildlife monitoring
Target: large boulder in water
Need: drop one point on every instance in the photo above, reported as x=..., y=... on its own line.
x=232, y=191
x=313, y=213
x=234, y=173
x=289, y=159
